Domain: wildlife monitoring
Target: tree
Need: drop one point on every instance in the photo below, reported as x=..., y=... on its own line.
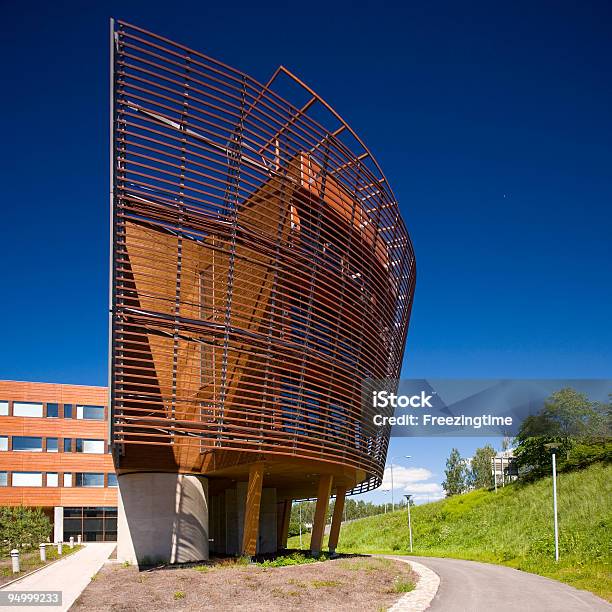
x=481, y=475
x=23, y=527
x=456, y=473
x=567, y=419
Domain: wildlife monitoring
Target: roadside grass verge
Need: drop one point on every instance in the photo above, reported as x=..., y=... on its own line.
x=30, y=560
x=512, y=527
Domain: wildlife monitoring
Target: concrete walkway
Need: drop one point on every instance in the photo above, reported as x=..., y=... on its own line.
x=483, y=587
x=70, y=575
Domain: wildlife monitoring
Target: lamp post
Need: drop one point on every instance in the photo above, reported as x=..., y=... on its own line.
x=386, y=491
x=409, y=520
x=553, y=446
x=300, y=526
x=391, y=466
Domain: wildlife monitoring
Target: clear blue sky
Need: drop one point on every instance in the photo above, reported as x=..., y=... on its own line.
x=493, y=122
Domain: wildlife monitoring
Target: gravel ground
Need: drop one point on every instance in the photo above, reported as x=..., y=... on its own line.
x=361, y=583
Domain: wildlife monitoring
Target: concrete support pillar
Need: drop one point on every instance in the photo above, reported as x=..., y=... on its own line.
x=334, y=531
x=162, y=518
x=58, y=524
x=318, y=526
x=282, y=522
x=250, y=532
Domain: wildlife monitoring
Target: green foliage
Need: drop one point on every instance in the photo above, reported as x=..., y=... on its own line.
x=513, y=527
x=317, y=584
x=579, y=427
x=293, y=559
x=352, y=510
x=456, y=474
x=402, y=585
x=22, y=527
x=179, y=595
x=480, y=474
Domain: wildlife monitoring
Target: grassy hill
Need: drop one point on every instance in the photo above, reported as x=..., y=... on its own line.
x=512, y=527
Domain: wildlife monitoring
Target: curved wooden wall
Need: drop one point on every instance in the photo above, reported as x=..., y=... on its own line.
x=261, y=270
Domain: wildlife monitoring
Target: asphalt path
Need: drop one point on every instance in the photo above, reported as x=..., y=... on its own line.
x=468, y=586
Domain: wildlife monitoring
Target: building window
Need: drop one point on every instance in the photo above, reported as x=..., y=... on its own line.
x=52, y=445
x=3, y=443
x=90, y=446
x=93, y=413
x=27, y=409
x=112, y=480
x=3, y=408
x=52, y=411
x=28, y=444
x=86, y=479
x=3, y=479
x=68, y=479
x=67, y=411
x=67, y=445
x=27, y=479
x=93, y=524
x=52, y=480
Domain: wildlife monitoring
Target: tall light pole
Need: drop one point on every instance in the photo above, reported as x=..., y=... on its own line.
x=409, y=520
x=554, y=447
x=386, y=491
x=391, y=466
x=300, y=526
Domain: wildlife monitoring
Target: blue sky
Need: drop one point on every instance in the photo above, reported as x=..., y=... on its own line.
x=492, y=121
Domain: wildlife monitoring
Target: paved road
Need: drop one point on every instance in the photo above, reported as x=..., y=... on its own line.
x=70, y=575
x=467, y=586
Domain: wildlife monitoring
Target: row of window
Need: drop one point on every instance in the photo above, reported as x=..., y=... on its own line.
x=52, y=410
x=35, y=444
x=52, y=479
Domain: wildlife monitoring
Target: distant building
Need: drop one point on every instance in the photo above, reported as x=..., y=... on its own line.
x=504, y=467
x=54, y=454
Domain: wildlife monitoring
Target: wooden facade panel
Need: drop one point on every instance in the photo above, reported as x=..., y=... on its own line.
x=57, y=496
x=58, y=428
x=50, y=392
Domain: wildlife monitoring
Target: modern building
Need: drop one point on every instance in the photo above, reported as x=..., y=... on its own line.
x=54, y=454
x=260, y=272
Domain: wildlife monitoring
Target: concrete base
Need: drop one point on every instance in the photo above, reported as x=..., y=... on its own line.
x=162, y=518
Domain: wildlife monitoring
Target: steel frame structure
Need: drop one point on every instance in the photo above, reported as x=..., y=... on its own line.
x=260, y=271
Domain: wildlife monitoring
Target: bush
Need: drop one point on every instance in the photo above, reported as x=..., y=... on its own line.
x=22, y=527
x=294, y=559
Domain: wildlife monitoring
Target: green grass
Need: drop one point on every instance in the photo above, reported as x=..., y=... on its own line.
x=512, y=527
x=30, y=560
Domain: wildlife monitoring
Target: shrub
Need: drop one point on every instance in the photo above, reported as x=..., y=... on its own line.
x=22, y=527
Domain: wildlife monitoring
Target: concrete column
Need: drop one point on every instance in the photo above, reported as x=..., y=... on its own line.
x=267, y=540
x=58, y=524
x=162, y=518
x=334, y=531
x=250, y=533
x=318, y=526
x=283, y=517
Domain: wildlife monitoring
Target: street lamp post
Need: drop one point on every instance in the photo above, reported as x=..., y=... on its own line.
x=391, y=466
x=300, y=526
x=554, y=447
x=386, y=491
x=409, y=520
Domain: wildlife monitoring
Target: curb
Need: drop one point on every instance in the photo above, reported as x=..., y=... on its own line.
x=422, y=596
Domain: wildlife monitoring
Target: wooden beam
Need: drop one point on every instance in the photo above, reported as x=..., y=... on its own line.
x=334, y=531
x=323, y=492
x=283, y=517
x=251, y=514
